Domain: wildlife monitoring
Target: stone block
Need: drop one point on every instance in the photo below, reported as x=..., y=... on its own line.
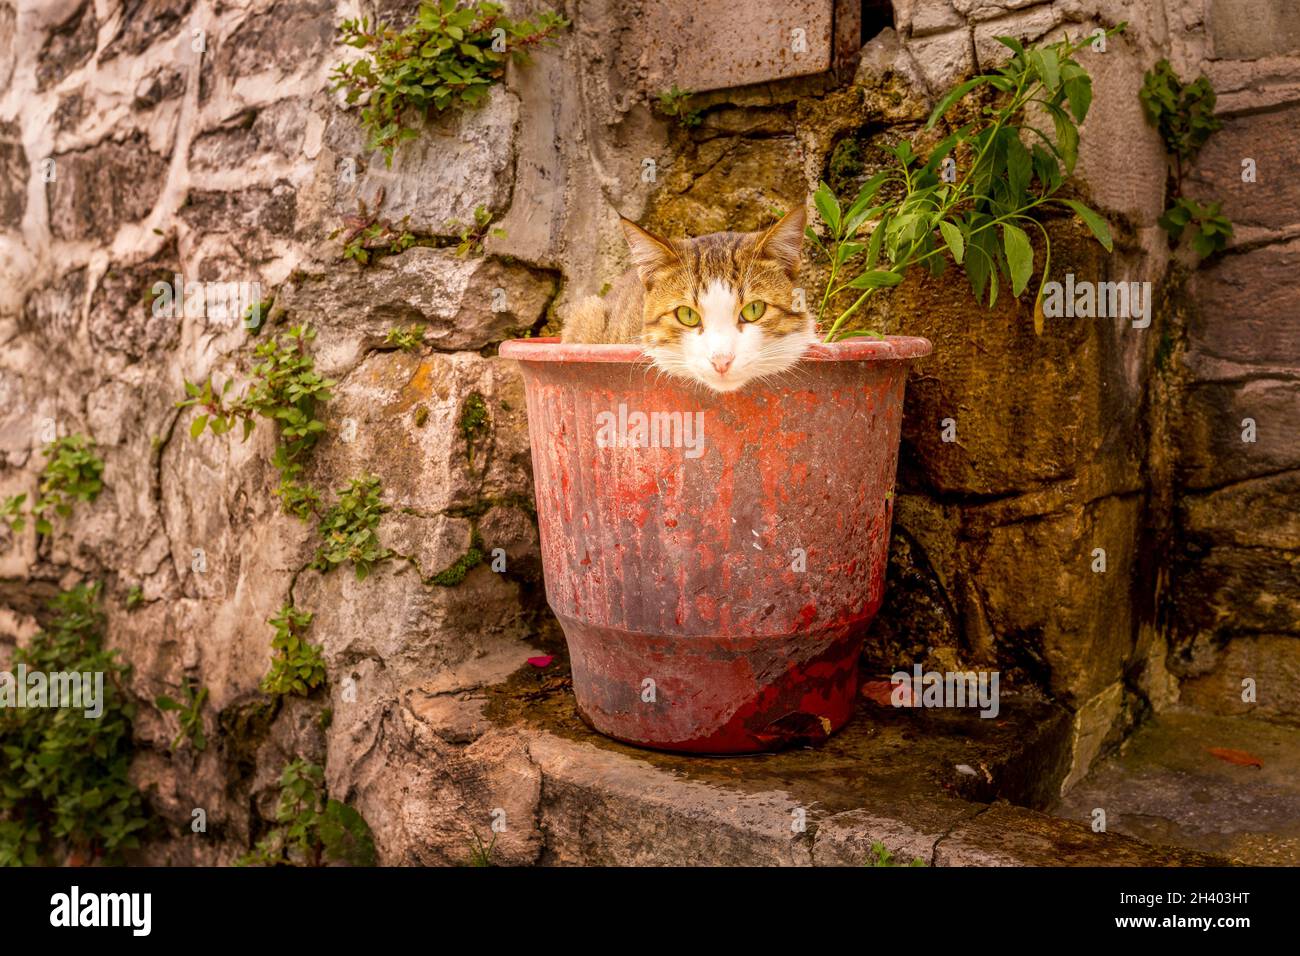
x=143, y=23
x=944, y=58
x=1272, y=139
x=1080, y=418
x=121, y=315
x=1243, y=319
x=461, y=303
x=69, y=45
x=14, y=172
x=97, y=189
x=761, y=42
x=1215, y=435
x=460, y=161
x=1250, y=29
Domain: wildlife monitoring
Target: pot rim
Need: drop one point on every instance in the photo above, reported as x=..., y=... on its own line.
x=551, y=349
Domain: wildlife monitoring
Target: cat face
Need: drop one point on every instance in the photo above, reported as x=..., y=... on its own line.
x=720, y=310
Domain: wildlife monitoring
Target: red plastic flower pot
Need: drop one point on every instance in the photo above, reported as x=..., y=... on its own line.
x=714, y=559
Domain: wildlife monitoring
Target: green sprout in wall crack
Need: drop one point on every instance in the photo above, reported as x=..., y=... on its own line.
x=311, y=827
x=134, y=597
x=11, y=512
x=472, y=234
x=1183, y=113
x=480, y=853
x=406, y=340
x=367, y=237
x=881, y=855
x=676, y=104
x=73, y=472
x=1209, y=228
x=349, y=529
x=190, y=713
x=257, y=314
x=298, y=666
x=286, y=390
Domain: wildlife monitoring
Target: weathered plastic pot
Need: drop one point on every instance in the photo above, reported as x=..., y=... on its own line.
x=714, y=571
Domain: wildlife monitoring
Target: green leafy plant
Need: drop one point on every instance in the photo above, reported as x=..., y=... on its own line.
x=676, y=103
x=298, y=499
x=134, y=597
x=472, y=234
x=297, y=667
x=408, y=339
x=449, y=57
x=65, y=792
x=480, y=853
x=73, y=472
x=1183, y=113
x=918, y=211
x=881, y=856
x=367, y=237
x=311, y=827
x=1209, y=228
x=11, y=512
x=190, y=712
x=348, y=529
x=286, y=389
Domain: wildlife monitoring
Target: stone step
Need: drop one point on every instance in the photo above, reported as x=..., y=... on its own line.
x=1164, y=785
x=937, y=786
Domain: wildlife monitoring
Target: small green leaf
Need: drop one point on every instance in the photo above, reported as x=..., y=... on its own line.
x=1047, y=67
x=875, y=280
x=828, y=208
x=955, y=94
x=1067, y=137
x=1093, y=221
x=873, y=244
x=952, y=236
x=1012, y=44
x=1078, y=90
x=1020, y=256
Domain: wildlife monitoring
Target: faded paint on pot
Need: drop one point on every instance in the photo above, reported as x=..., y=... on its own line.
x=714, y=592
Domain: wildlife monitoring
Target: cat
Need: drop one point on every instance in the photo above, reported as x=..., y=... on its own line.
x=719, y=310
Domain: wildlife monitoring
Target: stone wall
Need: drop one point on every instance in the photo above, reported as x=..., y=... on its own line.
x=202, y=139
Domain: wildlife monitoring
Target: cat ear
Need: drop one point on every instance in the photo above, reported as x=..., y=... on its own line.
x=784, y=240
x=649, y=252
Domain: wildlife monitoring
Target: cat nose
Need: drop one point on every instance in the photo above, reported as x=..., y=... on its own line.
x=722, y=362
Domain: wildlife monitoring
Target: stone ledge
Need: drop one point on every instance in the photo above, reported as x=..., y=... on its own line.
x=601, y=808
x=890, y=776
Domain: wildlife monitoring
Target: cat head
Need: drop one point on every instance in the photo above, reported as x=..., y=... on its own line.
x=721, y=309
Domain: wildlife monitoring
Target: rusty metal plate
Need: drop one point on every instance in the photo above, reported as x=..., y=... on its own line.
x=715, y=44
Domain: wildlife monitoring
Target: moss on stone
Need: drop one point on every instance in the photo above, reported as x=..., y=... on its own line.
x=845, y=165
x=474, y=421
x=455, y=572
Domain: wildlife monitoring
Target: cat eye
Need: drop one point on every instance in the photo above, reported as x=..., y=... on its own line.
x=754, y=311
x=687, y=316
